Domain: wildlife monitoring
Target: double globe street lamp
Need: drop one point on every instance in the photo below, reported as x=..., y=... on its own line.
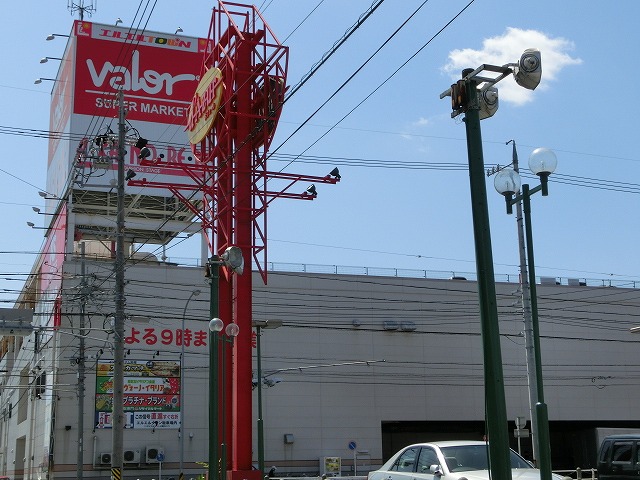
x=232, y=259
x=507, y=182
x=231, y=331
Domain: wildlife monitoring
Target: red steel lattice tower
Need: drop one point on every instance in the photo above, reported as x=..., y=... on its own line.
x=241, y=100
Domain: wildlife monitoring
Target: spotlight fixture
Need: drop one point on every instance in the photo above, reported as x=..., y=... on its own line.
x=232, y=258
x=118, y=20
x=104, y=139
x=178, y=30
x=311, y=190
x=130, y=174
x=528, y=70
x=141, y=144
x=335, y=173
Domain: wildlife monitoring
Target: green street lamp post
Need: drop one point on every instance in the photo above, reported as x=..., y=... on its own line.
x=476, y=97
x=542, y=162
x=231, y=331
x=214, y=306
x=231, y=258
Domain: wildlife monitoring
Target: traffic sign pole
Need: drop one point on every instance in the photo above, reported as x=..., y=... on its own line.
x=160, y=458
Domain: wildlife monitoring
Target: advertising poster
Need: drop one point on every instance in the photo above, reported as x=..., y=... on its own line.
x=151, y=394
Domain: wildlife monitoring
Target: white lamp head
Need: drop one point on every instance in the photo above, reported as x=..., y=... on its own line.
x=543, y=161
x=216, y=325
x=232, y=258
x=528, y=71
x=232, y=330
x=488, y=99
x=507, y=181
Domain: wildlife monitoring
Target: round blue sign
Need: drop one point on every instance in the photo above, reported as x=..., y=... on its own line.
x=352, y=445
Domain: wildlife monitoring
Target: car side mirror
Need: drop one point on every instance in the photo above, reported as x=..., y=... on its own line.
x=436, y=470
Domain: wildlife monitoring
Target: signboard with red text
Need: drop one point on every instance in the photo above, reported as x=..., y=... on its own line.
x=52, y=257
x=157, y=73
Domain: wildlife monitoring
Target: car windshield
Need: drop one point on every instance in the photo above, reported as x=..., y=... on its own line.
x=461, y=458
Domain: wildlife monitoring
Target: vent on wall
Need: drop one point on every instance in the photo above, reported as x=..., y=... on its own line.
x=390, y=325
x=407, y=326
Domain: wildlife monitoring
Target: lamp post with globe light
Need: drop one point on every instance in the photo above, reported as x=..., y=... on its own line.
x=231, y=258
x=231, y=331
x=542, y=162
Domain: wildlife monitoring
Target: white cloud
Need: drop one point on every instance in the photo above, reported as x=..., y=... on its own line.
x=507, y=48
x=421, y=122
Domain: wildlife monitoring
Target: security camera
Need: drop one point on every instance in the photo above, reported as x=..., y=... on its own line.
x=528, y=70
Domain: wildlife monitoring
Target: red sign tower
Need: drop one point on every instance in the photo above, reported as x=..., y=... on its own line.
x=232, y=121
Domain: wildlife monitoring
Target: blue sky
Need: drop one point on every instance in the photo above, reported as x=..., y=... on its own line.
x=403, y=201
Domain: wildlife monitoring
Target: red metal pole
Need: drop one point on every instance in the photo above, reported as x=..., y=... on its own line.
x=243, y=160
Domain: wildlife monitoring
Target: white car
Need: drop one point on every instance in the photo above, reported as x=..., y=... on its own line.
x=451, y=460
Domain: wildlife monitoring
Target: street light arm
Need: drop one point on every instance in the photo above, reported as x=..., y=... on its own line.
x=530, y=192
x=343, y=364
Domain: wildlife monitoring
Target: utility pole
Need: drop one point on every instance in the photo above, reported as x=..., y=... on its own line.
x=117, y=420
x=528, y=322
x=81, y=366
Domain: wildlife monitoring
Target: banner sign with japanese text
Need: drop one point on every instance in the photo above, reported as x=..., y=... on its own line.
x=151, y=394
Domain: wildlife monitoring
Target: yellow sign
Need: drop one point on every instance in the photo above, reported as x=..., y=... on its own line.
x=205, y=105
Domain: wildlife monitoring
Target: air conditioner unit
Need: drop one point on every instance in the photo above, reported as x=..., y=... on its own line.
x=152, y=453
x=131, y=456
x=105, y=459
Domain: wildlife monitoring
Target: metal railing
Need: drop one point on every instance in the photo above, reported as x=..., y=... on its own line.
x=579, y=473
x=428, y=274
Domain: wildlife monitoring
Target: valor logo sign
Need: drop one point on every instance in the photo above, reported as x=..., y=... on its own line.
x=132, y=80
x=205, y=105
x=158, y=78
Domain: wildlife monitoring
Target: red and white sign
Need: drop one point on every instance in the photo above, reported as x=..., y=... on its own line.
x=157, y=72
x=52, y=258
x=61, y=100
